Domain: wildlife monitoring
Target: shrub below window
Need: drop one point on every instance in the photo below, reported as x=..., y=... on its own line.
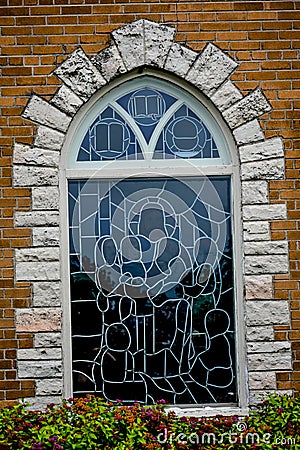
x=93, y=424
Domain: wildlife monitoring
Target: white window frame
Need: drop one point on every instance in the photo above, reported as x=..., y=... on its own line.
x=71, y=169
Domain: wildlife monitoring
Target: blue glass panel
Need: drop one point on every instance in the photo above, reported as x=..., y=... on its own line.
x=152, y=290
x=185, y=136
x=147, y=106
x=109, y=138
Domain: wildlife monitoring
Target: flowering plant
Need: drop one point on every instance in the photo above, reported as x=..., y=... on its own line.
x=91, y=423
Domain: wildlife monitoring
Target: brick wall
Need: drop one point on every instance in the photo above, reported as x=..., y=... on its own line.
x=262, y=36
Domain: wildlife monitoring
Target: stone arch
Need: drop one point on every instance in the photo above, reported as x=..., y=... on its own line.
x=148, y=44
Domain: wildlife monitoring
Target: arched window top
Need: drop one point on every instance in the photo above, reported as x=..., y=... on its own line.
x=148, y=120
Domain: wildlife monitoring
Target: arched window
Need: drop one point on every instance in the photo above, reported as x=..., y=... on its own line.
x=153, y=281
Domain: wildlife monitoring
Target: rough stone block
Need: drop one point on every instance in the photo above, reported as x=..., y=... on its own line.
x=24, y=154
x=39, y=369
x=262, y=380
x=49, y=386
x=130, y=43
x=36, y=218
x=269, y=361
x=269, y=312
x=264, y=212
x=29, y=354
x=80, y=75
x=266, y=264
x=248, y=108
x=48, y=138
x=272, y=148
x=46, y=293
x=255, y=192
x=270, y=169
x=37, y=254
x=180, y=59
x=210, y=69
x=47, y=340
x=66, y=100
x=256, y=231
x=45, y=198
x=257, y=396
x=259, y=287
x=34, y=176
x=226, y=95
x=35, y=271
x=269, y=347
x=38, y=320
x=40, y=111
x=40, y=402
x=266, y=248
x=158, y=40
x=248, y=132
x=260, y=333
x=45, y=236
x=109, y=63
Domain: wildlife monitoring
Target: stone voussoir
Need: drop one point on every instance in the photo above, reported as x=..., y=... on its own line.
x=48, y=138
x=40, y=111
x=80, y=75
x=157, y=40
x=210, y=69
x=248, y=108
x=130, y=43
x=109, y=62
x=226, y=95
x=248, y=133
x=180, y=59
x=66, y=100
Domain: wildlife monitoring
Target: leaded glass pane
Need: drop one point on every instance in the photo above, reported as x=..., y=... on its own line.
x=109, y=138
x=114, y=134
x=185, y=136
x=152, y=289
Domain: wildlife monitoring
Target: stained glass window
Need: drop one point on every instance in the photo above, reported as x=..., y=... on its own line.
x=151, y=259
x=110, y=136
